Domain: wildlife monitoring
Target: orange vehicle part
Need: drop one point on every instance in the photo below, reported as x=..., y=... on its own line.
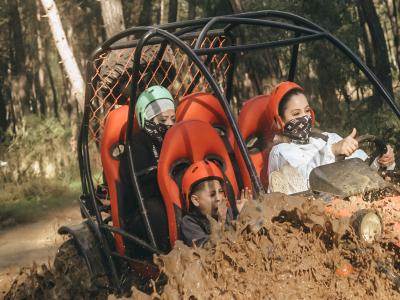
x=206, y=107
x=187, y=141
x=114, y=136
x=345, y=269
x=253, y=125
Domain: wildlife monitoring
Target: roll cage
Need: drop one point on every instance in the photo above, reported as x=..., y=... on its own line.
x=188, y=38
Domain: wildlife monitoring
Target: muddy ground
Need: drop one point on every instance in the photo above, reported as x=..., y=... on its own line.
x=22, y=245
x=280, y=248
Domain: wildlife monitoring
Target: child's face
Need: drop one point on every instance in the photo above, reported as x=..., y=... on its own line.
x=296, y=107
x=208, y=197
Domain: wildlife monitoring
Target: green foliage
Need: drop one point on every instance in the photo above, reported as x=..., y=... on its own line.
x=31, y=200
x=39, y=149
x=41, y=171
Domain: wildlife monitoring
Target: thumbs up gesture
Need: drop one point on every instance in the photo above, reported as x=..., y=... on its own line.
x=347, y=145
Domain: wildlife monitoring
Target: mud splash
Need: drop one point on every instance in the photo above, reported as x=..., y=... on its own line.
x=282, y=247
x=279, y=252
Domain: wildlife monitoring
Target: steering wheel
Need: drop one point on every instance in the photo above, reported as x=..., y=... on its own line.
x=380, y=147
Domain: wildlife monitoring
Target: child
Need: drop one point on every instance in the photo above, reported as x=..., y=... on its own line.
x=204, y=194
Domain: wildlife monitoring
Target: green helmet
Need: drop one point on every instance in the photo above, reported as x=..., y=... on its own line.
x=151, y=94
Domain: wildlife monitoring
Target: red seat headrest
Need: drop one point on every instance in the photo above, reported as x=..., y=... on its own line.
x=204, y=107
x=189, y=141
x=252, y=118
x=253, y=124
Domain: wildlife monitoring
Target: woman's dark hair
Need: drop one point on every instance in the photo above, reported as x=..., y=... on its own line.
x=285, y=99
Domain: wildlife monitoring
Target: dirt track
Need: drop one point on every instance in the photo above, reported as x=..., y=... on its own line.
x=22, y=245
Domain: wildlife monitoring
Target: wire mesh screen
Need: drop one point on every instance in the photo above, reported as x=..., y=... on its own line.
x=111, y=79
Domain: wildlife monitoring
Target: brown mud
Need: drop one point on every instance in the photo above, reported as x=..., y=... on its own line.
x=282, y=247
x=279, y=251
x=37, y=242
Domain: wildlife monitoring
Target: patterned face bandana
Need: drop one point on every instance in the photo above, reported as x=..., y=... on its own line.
x=156, y=131
x=298, y=129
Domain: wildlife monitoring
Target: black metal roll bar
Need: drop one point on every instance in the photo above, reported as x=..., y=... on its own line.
x=293, y=60
x=273, y=44
x=245, y=19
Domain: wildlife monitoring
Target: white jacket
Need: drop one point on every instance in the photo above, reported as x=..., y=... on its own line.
x=304, y=158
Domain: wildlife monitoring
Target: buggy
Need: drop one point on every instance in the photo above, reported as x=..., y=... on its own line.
x=196, y=60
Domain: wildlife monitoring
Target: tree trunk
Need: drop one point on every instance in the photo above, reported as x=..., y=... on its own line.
x=236, y=6
x=367, y=40
x=4, y=119
x=39, y=75
x=392, y=14
x=172, y=10
x=3, y=112
x=327, y=84
x=53, y=90
x=65, y=52
x=162, y=12
x=13, y=113
x=158, y=10
x=192, y=9
x=113, y=17
x=145, y=16
x=19, y=79
x=380, y=51
x=55, y=102
x=18, y=56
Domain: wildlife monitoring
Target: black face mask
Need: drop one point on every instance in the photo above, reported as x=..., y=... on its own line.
x=156, y=131
x=298, y=130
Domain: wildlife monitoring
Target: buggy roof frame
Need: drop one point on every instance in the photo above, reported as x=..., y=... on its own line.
x=301, y=26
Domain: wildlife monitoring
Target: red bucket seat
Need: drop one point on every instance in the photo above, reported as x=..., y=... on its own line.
x=186, y=143
x=206, y=107
x=111, y=148
x=254, y=127
x=113, y=138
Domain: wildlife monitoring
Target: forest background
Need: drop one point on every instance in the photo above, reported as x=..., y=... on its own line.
x=41, y=103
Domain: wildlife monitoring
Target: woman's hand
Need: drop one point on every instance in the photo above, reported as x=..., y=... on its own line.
x=245, y=195
x=347, y=145
x=387, y=159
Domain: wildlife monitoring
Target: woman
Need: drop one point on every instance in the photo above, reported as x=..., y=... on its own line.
x=296, y=147
x=155, y=114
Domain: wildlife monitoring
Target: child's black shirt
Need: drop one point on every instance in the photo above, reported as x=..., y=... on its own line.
x=196, y=229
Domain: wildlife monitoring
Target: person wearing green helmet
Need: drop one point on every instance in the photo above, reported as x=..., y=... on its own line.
x=155, y=114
